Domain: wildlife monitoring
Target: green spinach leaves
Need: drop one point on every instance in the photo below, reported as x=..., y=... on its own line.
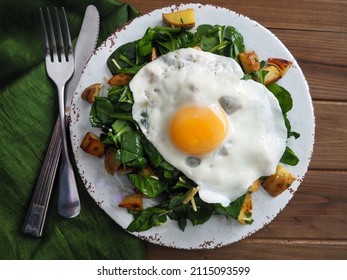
x=131, y=57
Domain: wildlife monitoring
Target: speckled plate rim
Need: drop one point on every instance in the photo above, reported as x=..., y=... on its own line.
x=108, y=190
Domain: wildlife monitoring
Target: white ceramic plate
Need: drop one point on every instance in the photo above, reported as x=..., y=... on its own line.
x=108, y=190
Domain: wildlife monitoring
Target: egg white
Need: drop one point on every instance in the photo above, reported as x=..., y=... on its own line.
x=256, y=137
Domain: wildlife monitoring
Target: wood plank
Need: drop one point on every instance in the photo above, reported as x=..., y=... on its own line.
x=270, y=250
x=330, y=150
x=296, y=14
x=312, y=226
x=326, y=82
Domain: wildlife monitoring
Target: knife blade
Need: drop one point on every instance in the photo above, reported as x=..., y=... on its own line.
x=85, y=45
x=84, y=48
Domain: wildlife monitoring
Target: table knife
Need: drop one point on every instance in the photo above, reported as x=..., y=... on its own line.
x=85, y=45
x=68, y=197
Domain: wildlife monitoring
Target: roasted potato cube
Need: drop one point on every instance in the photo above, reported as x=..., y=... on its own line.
x=90, y=92
x=245, y=216
x=92, y=144
x=273, y=75
x=120, y=79
x=278, y=182
x=132, y=202
x=249, y=61
x=183, y=18
x=282, y=64
x=255, y=186
x=111, y=163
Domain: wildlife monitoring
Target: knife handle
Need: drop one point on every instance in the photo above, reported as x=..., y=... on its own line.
x=36, y=215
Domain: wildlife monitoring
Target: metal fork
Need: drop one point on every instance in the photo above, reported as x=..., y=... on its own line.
x=60, y=64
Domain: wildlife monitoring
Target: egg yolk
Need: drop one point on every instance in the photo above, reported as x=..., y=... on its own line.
x=197, y=130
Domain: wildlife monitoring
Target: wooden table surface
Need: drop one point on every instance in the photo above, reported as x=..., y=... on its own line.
x=314, y=223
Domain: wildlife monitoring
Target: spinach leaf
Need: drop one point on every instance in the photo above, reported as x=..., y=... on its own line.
x=130, y=150
x=162, y=168
x=119, y=127
x=128, y=50
x=166, y=39
x=222, y=40
x=233, y=209
x=286, y=103
x=167, y=171
x=289, y=157
x=182, y=212
x=208, y=36
x=148, y=185
x=179, y=211
x=121, y=97
x=290, y=133
x=184, y=182
x=283, y=96
x=148, y=218
x=144, y=45
x=101, y=111
x=153, y=155
x=203, y=213
x=231, y=34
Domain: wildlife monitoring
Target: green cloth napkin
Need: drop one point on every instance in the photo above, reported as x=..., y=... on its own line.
x=28, y=110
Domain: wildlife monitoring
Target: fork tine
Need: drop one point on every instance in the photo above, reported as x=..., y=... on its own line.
x=53, y=44
x=56, y=46
x=69, y=49
x=45, y=36
x=60, y=41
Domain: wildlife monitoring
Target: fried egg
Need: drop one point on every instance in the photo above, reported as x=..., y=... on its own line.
x=222, y=132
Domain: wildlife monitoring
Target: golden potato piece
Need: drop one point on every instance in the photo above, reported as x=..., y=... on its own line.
x=249, y=61
x=273, y=75
x=90, y=92
x=282, y=64
x=132, y=202
x=120, y=79
x=183, y=18
x=92, y=144
x=255, y=186
x=245, y=216
x=278, y=182
x=111, y=163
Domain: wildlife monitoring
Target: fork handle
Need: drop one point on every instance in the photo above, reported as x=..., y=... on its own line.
x=68, y=197
x=36, y=215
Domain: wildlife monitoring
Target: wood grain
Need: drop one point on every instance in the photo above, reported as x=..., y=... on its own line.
x=330, y=151
x=284, y=250
x=313, y=225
